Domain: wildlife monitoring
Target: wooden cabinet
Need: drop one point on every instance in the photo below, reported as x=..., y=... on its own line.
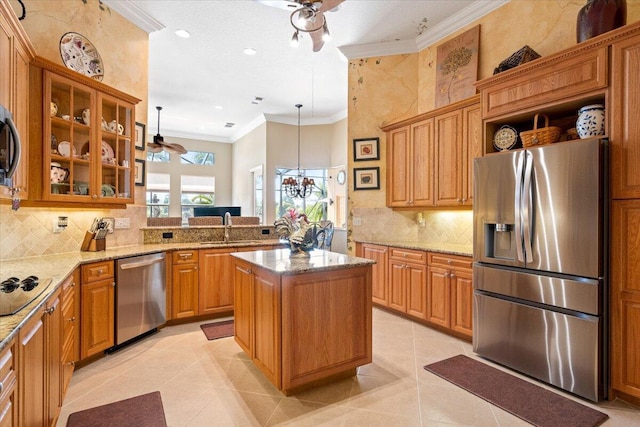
x=409, y=165
x=408, y=281
x=379, y=272
x=303, y=328
x=9, y=386
x=98, y=308
x=625, y=129
x=70, y=302
x=430, y=157
x=16, y=52
x=215, y=281
x=39, y=383
x=89, y=135
x=450, y=293
x=625, y=297
x=184, y=284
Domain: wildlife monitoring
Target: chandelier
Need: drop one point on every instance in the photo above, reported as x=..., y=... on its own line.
x=301, y=186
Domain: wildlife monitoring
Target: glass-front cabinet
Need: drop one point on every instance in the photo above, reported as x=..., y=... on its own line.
x=89, y=142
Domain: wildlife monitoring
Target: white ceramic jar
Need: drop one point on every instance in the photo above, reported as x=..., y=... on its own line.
x=590, y=121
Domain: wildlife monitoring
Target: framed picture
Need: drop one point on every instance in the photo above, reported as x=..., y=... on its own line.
x=139, y=172
x=366, y=178
x=366, y=149
x=140, y=132
x=457, y=67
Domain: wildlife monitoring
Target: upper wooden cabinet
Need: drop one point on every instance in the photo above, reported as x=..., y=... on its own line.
x=15, y=52
x=86, y=137
x=430, y=157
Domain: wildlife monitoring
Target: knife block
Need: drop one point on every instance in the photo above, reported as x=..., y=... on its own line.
x=91, y=244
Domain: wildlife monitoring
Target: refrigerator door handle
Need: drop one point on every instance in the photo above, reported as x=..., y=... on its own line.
x=527, y=203
x=518, y=208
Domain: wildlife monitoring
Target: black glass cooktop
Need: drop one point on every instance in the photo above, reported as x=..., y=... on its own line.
x=15, y=294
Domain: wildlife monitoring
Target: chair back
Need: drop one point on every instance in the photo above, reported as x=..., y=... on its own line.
x=205, y=220
x=172, y=221
x=245, y=220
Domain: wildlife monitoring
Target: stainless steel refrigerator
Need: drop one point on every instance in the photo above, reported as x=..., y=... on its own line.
x=539, y=274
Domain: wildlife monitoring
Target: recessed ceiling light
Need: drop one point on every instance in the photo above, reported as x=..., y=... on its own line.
x=183, y=33
x=218, y=107
x=249, y=51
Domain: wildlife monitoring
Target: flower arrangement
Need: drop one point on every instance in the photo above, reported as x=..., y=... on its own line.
x=296, y=229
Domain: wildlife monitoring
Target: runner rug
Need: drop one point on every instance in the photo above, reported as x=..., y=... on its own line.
x=217, y=330
x=141, y=411
x=523, y=399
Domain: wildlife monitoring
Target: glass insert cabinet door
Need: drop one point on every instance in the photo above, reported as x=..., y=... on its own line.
x=89, y=146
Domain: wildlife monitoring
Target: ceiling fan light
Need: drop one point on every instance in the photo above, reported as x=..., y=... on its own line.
x=295, y=41
x=326, y=36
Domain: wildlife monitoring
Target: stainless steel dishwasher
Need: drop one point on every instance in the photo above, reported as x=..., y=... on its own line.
x=140, y=295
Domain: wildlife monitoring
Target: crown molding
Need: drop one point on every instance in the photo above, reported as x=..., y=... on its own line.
x=445, y=28
x=135, y=15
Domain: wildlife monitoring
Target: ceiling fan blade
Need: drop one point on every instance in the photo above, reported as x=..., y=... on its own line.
x=174, y=148
x=282, y=4
x=153, y=147
x=329, y=5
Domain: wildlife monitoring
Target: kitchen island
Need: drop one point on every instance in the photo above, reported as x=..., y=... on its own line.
x=303, y=321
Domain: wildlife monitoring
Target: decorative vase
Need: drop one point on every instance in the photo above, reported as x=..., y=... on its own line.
x=599, y=16
x=590, y=121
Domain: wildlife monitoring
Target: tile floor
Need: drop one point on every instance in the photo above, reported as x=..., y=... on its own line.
x=213, y=383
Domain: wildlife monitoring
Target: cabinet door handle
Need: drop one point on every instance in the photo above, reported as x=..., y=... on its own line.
x=100, y=271
x=50, y=310
x=185, y=256
x=113, y=284
x=452, y=275
x=72, y=319
x=246, y=271
x=72, y=363
x=94, y=196
x=72, y=284
x=195, y=268
x=1, y=387
x=450, y=262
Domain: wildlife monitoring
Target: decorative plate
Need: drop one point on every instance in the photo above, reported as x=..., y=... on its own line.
x=341, y=177
x=107, y=152
x=65, y=149
x=80, y=55
x=505, y=138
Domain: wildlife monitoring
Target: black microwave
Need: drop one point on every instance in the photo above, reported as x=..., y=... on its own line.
x=9, y=147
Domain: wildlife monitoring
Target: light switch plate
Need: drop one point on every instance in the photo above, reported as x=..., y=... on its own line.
x=123, y=223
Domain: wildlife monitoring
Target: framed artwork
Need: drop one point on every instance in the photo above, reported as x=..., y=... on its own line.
x=139, y=172
x=457, y=67
x=140, y=131
x=366, y=149
x=366, y=178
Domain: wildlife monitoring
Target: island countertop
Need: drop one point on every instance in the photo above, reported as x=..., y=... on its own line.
x=278, y=261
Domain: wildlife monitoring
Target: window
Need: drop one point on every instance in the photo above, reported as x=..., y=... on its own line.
x=162, y=157
x=258, y=194
x=198, y=158
x=195, y=191
x=158, y=195
x=315, y=206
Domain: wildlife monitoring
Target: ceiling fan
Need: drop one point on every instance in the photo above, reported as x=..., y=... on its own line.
x=307, y=16
x=159, y=145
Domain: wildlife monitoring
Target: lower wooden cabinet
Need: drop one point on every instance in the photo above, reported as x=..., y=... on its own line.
x=39, y=379
x=433, y=287
x=9, y=389
x=215, y=281
x=625, y=297
x=70, y=301
x=184, y=284
x=98, y=308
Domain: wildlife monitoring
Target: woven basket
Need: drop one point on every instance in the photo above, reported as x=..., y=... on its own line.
x=525, y=54
x=542, y=136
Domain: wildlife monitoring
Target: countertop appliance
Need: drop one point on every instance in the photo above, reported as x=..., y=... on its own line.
x=140, y=295
x=16, y=294
x=539, y=273
x=9, y=147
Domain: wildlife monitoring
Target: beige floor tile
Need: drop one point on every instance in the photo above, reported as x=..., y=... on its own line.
x=214, y=383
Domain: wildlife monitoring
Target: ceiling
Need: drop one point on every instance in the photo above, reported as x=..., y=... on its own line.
x=206, y=81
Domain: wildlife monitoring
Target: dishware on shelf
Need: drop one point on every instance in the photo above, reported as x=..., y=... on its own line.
x=58, y=173
x=66, y=117
x=54, y=109
x=66, y=149
x=104, y=124
x=107, y=152
x=116, y=127
x=86, y=116
x=590, y=121
x=79, y=54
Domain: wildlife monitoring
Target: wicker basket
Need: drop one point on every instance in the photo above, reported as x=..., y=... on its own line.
x=525, y=54
x=541, y=136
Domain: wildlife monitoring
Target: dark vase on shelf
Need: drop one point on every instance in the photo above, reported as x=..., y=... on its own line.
x=599, y=16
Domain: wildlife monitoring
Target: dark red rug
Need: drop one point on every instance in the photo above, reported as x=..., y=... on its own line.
x=141, y=411
x=216, y=330
x=523, y=399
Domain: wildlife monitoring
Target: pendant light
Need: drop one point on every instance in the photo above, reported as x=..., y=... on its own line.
x=301, y=186
x=158, y=143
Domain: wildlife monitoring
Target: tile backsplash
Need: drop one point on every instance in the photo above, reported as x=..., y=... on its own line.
x=29, y=231
x=384, y=224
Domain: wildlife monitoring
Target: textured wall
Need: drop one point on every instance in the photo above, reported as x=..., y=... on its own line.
x=387, y=89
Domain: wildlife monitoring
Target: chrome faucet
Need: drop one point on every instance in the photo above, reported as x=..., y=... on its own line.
x=227, y=226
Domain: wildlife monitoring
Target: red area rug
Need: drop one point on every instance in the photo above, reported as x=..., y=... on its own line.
x=141, y=411
x=216, y=330
x=523, y=399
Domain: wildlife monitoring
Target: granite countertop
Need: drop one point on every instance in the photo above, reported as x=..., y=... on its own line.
x=60, y=266
x=278, y=261
x=463, y=250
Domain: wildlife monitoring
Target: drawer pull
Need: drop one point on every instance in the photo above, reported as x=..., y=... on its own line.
x=185, y=256
x=50, y=310
x=72, y=319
